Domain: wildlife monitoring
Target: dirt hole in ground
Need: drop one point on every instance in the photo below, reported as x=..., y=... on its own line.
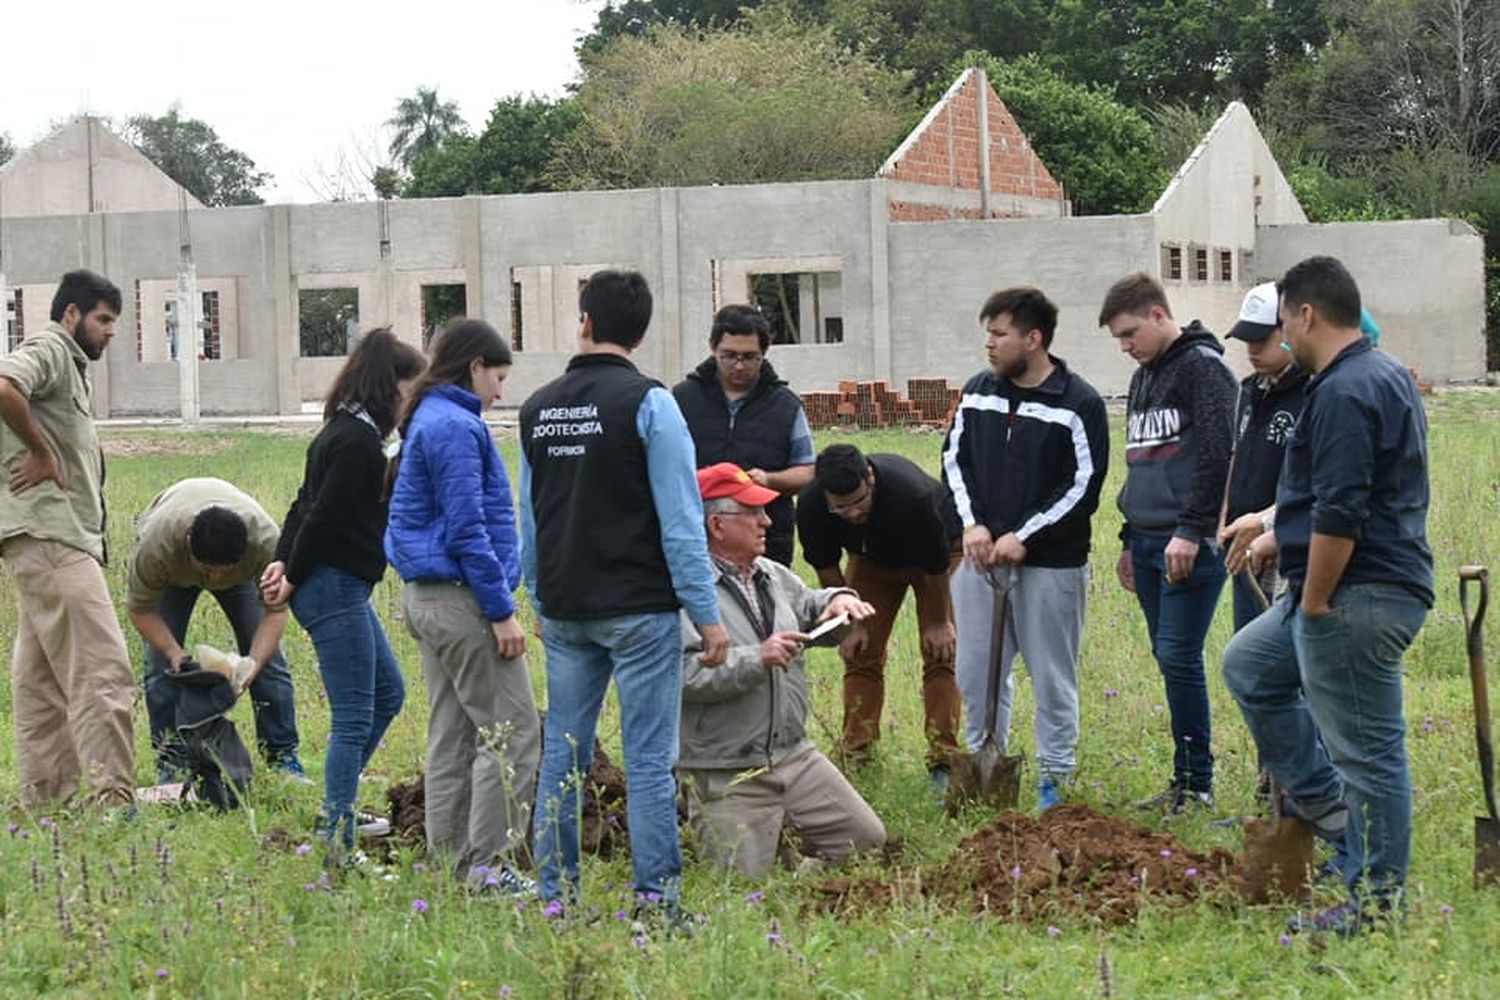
x=603, y=828
x=1069, y=861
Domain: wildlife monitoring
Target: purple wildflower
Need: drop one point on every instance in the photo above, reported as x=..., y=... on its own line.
x=1166, y=853
x=418, y=866
x=419, y=906
x=162, y=973
x=871, y=952
x=621, y=916
x=1053, y=932
x=554, y=908
x=45, y=823
x=506, y=991
x=1191, y=873
x=755, y=897
x=1445, y=910
x=12, y=828
x=1285, y=940
x=639, y=941
x=1111, y=693
x=311, y=886
x=1015, y=872
x=303, y=850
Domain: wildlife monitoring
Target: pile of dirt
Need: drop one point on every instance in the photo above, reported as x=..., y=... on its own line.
x=1069, y=860
x=604, y=829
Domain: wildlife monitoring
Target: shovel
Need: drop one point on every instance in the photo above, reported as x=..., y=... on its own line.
x=1486, y=828
x=989, y=774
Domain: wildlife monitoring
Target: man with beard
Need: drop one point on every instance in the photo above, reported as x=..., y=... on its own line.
x=739, y=410
x=1025, y=460
x=71, y=682
x=1318, y=678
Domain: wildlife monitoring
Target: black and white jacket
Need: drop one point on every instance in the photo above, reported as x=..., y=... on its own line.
x=1030, y=460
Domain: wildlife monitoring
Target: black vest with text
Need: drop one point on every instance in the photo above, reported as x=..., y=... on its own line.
x=598, y=538
x=759, y=436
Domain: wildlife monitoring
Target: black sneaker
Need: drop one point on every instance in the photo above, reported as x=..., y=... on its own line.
x=649, y=920
x=365, y=824
x=1175, y=800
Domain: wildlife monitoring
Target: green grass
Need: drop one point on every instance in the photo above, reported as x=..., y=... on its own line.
x=92, y=910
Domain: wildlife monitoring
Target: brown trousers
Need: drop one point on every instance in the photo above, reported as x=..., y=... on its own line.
x=71, y=681
x=738, y=816
x=864, y=674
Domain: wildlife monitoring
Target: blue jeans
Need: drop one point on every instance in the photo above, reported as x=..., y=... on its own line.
x=1338, y=677
x=361, y=677
x=643, y=653
x=271, y=692
x=1177, y=617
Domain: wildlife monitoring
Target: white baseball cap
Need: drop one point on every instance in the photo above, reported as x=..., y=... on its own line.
x=1259, y=315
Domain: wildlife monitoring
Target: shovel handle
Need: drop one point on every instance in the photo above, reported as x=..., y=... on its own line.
x=1474, y=635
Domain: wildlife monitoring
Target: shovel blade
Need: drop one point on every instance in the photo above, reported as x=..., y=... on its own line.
x=1486, y=850
x=987, y=775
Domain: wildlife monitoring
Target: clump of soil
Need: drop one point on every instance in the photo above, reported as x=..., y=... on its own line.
x=603, y=829
x=1069, y=860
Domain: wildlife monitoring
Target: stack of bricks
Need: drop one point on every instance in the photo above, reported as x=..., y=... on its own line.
x=873, y=404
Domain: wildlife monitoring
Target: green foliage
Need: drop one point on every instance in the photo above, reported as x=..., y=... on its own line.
x=7, y=149
x=422, y=122
x=191, y=153
x=769, y=100
x=197, y=904
x=1103, y=152
x=327, y=321
x=515, y=154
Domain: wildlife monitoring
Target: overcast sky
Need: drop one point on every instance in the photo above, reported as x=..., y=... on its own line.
x=299, y=87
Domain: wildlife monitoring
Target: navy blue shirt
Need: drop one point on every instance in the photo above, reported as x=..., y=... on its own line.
x=1356, y=467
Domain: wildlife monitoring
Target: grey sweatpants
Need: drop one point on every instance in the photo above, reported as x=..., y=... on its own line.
x=1045, y=625
x=483, y=739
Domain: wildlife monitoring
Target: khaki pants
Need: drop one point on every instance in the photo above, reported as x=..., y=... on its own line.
x=738, y=820
x=864, y=674
x=484, y=741
x=71, y=680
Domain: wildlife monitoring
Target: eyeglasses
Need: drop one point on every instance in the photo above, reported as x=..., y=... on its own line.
x=839, y=508
x=749, y=359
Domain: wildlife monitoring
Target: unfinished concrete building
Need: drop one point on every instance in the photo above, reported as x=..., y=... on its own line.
x=874, y=278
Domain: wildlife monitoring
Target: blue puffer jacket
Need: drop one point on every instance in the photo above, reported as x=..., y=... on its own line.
x=452, y=517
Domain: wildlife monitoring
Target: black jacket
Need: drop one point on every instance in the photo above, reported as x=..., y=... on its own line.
x=1356, y=468
x=1030, y=460
x=757, y=436
x=1179, y=432
x=338, y=518
x=1263, y=424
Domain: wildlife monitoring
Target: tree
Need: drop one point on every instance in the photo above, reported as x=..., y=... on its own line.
x=421, y=123
x=1103, y=152
x=515, y=154
x=6, y=149
x=635, y=18
x=768, y=100
x=191, y=153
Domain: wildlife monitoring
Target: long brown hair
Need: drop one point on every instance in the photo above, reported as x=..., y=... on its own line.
x=453, y=351
x=369, y=378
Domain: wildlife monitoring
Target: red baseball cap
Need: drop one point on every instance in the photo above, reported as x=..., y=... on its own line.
x=729, y=480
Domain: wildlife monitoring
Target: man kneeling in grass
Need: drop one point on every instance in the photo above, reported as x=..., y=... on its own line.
x=747, y=763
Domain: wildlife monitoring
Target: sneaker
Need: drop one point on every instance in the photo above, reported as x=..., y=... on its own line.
x=664, y=919
x=1345, y=920
x=290, y=768
x=1175, y=800
x=1048, y=795
x=503, y=881
x=365, y=824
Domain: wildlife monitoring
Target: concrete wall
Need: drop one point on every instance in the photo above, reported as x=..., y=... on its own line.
x=1423, y=281
x=83, y=167
x=941, y=273
x=908, y=293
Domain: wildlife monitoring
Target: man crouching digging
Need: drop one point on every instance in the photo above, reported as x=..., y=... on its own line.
x=747, y=765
